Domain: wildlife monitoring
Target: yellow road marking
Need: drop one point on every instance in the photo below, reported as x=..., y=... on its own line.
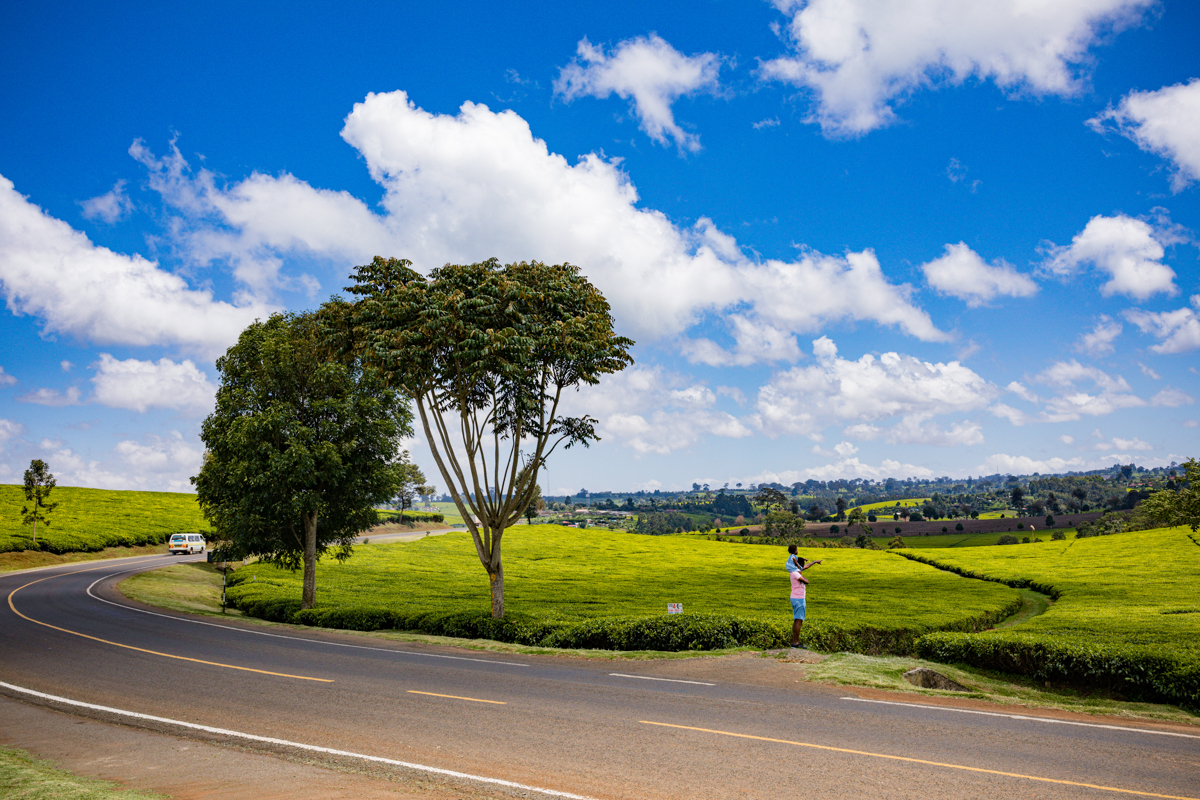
x=456, y=697
x=141, y=649
x=919, y=761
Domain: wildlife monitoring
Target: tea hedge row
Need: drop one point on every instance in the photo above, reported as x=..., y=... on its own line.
x=88, y=520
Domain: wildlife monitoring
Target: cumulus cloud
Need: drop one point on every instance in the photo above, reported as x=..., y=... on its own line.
x=843, y=468
x=1024, y=465
x=1165, y=122
x=1177, y=331
x=110, y=206
x=1023, y=392
x=52, y=397
x=157, y=463
x=1108, y=393
x=912, y=430
x=1129, y=250
x=142, y=385
x=755, y=341
x=962, y=273
x=9, y=430
x=55, y=273
x=1172, y=398
x=459, y=188
x=1100, y=340
x=860, y=56
x=6, y=379
x=1128, y=444
x=652, y=411
x=647, y=71
x=805, y=400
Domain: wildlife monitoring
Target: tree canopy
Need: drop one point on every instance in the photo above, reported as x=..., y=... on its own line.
x=486, y=352
x=300, y=448
x=1181, y=505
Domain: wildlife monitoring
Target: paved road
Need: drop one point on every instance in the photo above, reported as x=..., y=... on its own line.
x=719, y=728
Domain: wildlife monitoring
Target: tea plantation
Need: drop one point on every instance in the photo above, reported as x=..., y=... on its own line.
x=1127, y=614
x=599, y=589
x=88, y=520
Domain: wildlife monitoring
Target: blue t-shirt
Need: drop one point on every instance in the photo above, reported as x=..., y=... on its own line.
x=792, y=565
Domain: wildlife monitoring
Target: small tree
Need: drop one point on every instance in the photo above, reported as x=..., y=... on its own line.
x=38, y=483
x=1178, y=507
x=1018, y=496
x=411, y=482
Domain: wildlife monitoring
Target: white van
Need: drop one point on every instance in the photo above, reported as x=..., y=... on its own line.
x=185, y=543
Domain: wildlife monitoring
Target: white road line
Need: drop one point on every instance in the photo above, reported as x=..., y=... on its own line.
x=291, y=638
x=1032, y=719
x=310, y=747
x=648, y=678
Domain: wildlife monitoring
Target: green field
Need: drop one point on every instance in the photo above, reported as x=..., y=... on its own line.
x=92, y=519
x=913, y=502
x=941, y=540
x=1127, y=611
x=559, y=577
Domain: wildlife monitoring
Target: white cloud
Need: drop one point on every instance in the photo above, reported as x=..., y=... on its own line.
x=845, y=449
x=110, y=206
x=459, y=188
x=859, y=56
x=1191, y=423
x=647, y=70
x=652, y=411
x=1100, y=340
x=52, y=397
x=65, y=366
x=6, y=379
x=772, y=122
x=912, y=430
x=842, y=468
x=156, y=464
x=1110, y=394
x=53, y=272
x=755, y=341
x=1014, y=415
x=863, y=432
x=1023, y=392
x=1127, y=249
x=1165, y=122
x=1067, y=439
x=805, y=400
x=142, y=385
x=963, y=274
x=9, y=430
x=1024, y=465
x=1148, y=372
x=1130, y=444
x=1177, y=331
x=1172, y=398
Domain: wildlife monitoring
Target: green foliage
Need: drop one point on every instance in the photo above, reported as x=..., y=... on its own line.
x=485, y=350
x=301, y=447
x=604, y=589
x=387, y=515
x=26, y=777
x=1007, y=538
x=88, y=520
x=38, y=484
x=1180, y=506
x=1116, y=621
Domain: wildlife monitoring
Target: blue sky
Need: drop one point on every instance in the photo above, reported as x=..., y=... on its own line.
x=852, y=238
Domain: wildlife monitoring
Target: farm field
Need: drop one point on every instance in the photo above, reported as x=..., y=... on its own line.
x=1127, y=606
x=88, y=520
x=562, y=576
x=911, y=502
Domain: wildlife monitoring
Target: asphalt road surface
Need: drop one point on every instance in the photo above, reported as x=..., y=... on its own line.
x=711, y=728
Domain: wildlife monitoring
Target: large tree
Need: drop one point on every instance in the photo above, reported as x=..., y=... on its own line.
x=1178, y=506
x=38, y=483
x=301, y=446
x=487, y=352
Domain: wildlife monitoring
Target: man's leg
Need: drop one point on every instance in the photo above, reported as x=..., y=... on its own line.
x=796, y=625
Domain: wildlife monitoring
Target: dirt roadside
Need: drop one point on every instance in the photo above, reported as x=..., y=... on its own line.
x=185, y=768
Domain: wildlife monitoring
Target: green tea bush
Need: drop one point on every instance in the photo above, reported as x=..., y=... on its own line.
x=601, y=589
x=88, y=520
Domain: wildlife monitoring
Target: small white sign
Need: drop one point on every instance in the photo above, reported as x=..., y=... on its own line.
x=674, y=608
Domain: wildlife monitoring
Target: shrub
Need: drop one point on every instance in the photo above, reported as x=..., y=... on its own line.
x=834, y=529
x=871, y=518
x=1049, y=521
x=1007, y=538
x=945, y=529
x=916, y=518
x=1058, y=536
x=1020, y=526
x=958, y=527
x=897, y=529
x=1025, y=540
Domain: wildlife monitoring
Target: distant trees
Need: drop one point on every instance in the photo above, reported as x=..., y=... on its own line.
x=39, y=481
x=841, y=508
x=1018, y=496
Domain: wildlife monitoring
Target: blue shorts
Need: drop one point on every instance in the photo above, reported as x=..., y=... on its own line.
x=797, y=608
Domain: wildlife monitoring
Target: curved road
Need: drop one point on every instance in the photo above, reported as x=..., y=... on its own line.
x=715, y=728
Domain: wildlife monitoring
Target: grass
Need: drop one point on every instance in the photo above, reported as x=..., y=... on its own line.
x=914, y=502
x=24, y=777
x=450, y=512
x=192, y=587
x=89, y=520
x=887, y=673
x=956, y=539
x=31, y=559
x=567, y=574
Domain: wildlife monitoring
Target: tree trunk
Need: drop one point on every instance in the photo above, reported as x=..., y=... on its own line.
x=309, y=597
x=496, y=576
